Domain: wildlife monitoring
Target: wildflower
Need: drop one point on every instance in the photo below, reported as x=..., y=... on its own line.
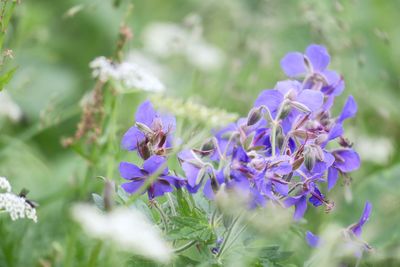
x=17, y=206
x=9, y=108
x=313, y=64
x=165, y=39
x=151, y=134
x=312, y=240
x=127, y=228
x=153, y=166
x=129, y=74
x=357, y=227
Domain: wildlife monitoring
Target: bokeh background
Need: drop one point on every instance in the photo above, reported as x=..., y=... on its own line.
x=54, y=42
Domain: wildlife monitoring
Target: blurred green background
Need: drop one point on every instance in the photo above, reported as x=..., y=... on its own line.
x=54, y=41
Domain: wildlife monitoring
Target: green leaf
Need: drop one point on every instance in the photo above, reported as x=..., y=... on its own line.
x=6, y=77
x=189, y=228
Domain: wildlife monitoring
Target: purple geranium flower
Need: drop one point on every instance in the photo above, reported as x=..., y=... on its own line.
x=346, y=160
x=151, y=134
x=357, y=228
x=313, y=64
x=137, y=176
x=312, y=240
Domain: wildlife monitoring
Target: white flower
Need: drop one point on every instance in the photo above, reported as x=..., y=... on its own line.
x=9, y=108
x=127, y=228
x=166, y=39
x=17, y=207
x=129, y=74
x=5, y=184
x=382, y=149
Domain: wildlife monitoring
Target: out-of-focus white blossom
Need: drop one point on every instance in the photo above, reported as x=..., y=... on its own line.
x=166, y=39
x=129, y=74
x=382, y=149
x=127, y=228
x=9, y=108
x=148, y=62
x=5, y=184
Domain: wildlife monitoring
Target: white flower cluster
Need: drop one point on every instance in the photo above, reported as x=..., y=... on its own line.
x=9, y=108
x=129, y=74
x=4, y=184
x=168, y=39
x=127, y=228
x=15, y=205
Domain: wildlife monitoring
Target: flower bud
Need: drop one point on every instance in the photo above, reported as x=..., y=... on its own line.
x=144, y=128
x=254, y=116
x=300, y=106
x=309, y=158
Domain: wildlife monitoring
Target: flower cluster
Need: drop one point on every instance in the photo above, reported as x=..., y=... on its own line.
x=281, y=151
x=129, y=74
x=284, y=151
x=16, y=205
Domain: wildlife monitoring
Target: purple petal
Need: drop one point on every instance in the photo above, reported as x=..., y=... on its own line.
x=301, y=207
x=357, y=228
x=207, y=190
x=349, y=110
x=159, y=188
x=191, y=173
x=282, y=189
x=293, y=64
x=366, y=213
x=132, y=138
x=318, y=56
x=316, y=201
x=133, y=186
x=272, y=99
x=283, y=168
x=347, y=160
x=311, y=98
x=312, y=240
x=285, y=86
x=186, y=154
x=145, y=113
x=129, y=171
x=168, y=123
x=335, y=83
x=333, y=176
x=154, y=163
x=328, y=103
x=336, y=131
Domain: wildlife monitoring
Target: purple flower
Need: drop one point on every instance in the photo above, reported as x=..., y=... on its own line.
x=313, y=64
x=357, y=228
x=151, y=134
x=346, y=160
x=191, y=166
x=312, y=240
x=137, y=176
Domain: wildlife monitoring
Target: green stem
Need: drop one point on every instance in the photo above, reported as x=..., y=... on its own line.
x=94, y=255
x=162, y=215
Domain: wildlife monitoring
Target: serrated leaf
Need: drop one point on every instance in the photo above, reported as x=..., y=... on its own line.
x=189, y=228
